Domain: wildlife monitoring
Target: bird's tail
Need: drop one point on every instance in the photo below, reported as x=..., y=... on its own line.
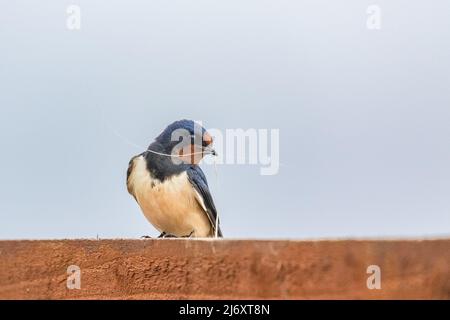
x=219, y=233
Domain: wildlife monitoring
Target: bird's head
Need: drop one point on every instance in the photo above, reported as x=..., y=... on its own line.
x=187, y=140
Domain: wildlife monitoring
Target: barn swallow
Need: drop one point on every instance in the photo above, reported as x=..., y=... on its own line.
x=170, y=187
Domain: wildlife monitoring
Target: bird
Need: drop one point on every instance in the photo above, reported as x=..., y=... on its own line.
x=170, y=187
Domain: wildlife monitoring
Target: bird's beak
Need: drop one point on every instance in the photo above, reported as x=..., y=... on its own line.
x=209, y=150
x=207, y=142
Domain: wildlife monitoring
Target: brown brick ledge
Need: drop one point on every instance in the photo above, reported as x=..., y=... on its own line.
x=219, y=269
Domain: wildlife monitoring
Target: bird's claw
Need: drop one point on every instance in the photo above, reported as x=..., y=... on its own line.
x=189, y=235
x=166, y=235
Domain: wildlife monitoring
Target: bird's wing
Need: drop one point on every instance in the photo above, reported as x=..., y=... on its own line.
x=130, y=168
x=198, y=180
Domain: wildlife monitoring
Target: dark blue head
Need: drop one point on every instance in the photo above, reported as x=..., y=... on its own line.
x=186, y=137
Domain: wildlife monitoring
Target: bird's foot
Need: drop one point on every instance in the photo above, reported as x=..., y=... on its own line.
x=189, y=235
x=166, y=235
x=146, y=237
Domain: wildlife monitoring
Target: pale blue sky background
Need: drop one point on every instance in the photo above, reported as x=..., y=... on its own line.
x=364, y=116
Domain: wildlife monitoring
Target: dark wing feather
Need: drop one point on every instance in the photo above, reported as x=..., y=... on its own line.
x=198, y=180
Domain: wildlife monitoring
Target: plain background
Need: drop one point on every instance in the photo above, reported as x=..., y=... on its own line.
x=364, y=116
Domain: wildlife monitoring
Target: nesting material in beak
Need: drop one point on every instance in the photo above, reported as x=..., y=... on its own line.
x=209, y=150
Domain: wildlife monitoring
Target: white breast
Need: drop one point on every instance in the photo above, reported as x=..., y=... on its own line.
x=170, y=206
